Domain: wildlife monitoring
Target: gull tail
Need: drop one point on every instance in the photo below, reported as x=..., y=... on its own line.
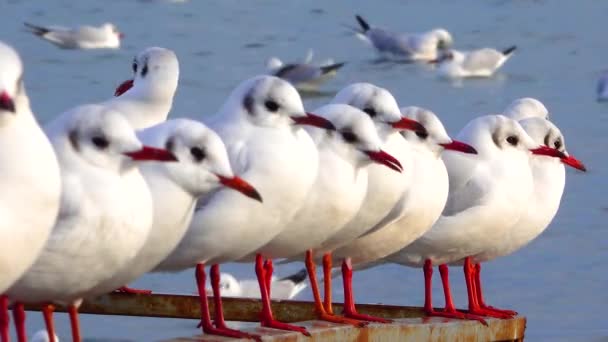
x=509, y=50
x=332, y=67
x=297, y=277
x=37, y=30
x=364, y=25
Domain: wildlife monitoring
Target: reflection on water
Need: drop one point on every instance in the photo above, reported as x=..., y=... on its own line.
x=557, y=281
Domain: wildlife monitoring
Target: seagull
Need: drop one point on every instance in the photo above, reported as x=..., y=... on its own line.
x=261, y=126
x=203, y=167
x=424, y=199
x=526, y=107
x=281, y=289
x=422, y=46
x=29, y=178
x=338, y=192
x=147, y=98
x=488, y=194
x=602, y=87
x=477, y=63
x=43, y=336
x=304, y=75
x=84, y=37
x=549, y=177
x=104, y=217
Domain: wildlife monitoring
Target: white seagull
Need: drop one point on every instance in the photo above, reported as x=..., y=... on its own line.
x=146, y=99
x=29, y=177
x=260, y=124
x=484, y=62
x=526, y=107
x=202, y=167
x=105, y=212
x=105, y=36
x=338, y=192
x=424, y=200
x=488, y=193
x=280, y=288
x=422, y=46
x=304, y=75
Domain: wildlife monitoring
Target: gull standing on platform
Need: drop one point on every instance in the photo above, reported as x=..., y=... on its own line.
x=146, y=99
x=30, y=181
x=410, y=47
x=261, y=125
x=105, y=36
x=104, y=217
x=488, y=193
x=338, y=191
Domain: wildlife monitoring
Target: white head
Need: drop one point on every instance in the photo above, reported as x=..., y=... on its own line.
x=102, y=138
x=229, y=286
x=12, y=91
x=379, y=104
x=156, y=74
x=444, y=38
x=203, y=163
x=492, y=134
x=113, y=34
x=544, y=132
x=526, y=107
x=273, y=64
x=43, y=336
x=449, y=56
x=434, y=137
x=269, y=101
x=357, y=136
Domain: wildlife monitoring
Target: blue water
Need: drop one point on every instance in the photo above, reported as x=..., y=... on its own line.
x=558, y=281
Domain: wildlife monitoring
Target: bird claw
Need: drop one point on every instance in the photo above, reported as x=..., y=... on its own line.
x=456, y=315
x=284, y=326
x=125, y=289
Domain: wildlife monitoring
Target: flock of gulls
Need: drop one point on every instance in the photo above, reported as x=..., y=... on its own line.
x=116, y=189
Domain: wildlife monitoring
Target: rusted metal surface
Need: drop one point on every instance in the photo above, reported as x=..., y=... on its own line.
x=411, y=325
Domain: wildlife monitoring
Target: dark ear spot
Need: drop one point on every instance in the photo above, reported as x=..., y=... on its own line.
x=547, y=140
x=73, y=137
x=144, y=70
x=496, y=139
x=248, y=104
x=170, y=144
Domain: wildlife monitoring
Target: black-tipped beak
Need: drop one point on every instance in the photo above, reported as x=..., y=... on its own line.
x=6, y=103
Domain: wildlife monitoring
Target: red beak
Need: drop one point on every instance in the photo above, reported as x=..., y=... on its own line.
x=314, y=120
x=575, y=163
x=123, y=87
x=151, y=153
x=241, y=186
x=548, y=151
x=121, y=35
x=405, y=123
x=6, y=103
x=386, y=159
x=460, y=147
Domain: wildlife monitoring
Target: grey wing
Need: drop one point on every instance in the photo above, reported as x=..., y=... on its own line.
x=484, y=59
x=298, y=73
x=389, y=41
x=466, y=185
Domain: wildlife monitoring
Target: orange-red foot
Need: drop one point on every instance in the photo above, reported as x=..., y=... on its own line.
x=129, y=290
x=267, y=323
x=362, y=317
x=488, y=313
x=455, y=315
x=341, y=320
x=497, y=310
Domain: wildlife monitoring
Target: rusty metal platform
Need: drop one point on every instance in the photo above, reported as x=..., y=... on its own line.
x=410, y=323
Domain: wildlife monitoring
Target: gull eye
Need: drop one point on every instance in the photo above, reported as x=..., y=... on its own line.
x=370, y=111
x=349, y=137
x=134, y=67
x=100, y=142
x=557, y=144
x=422, y=134
x=144, y=71
x=271, y=105
x=513, y=140
x=197, y=153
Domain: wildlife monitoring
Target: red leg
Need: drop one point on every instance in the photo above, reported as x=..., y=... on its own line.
x=450, y=309
x=349, y=301
x=206, y=324
x=473, y=293
x=268, y=270
x=311, y=268
x=47, y=313
x=4, y=319
x=266, y=316
x=129, y=290
x=219, y=321
x=74, y=323
x=479, y=292
x=327, y=267
x=19, y=316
